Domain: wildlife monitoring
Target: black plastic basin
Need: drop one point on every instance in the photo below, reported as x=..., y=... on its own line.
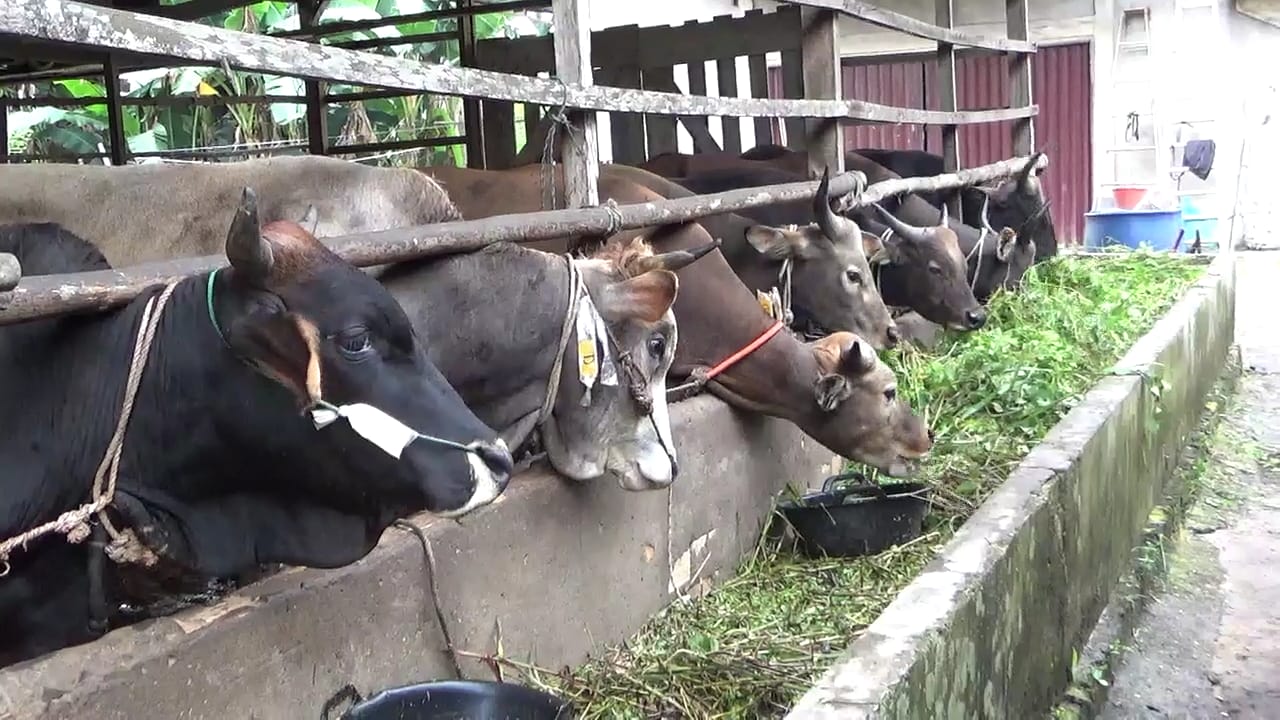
x=461, y=700
x=862, y=519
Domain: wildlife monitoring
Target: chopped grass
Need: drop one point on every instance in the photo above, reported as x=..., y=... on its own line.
x=751, y=647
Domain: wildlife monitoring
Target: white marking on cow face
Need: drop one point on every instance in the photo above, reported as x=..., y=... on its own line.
x=487, y=489
x=656, y=468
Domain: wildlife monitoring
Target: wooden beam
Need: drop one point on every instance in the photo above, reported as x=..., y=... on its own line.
x=918, y=28
x=119, y=150
x=665, y=81
x=946, y=70
x=947, y=181
x=471, y=113
x=47, y=295
x=499, y=122
x=1015, y=15
x=822, y=79
x=660, y=131
x=626, y=129
x=579, y=143
x=758, y=74
x=792, y=70
x=77, y=23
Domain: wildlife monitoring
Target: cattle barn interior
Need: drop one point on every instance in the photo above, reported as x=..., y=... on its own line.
x=506, y=101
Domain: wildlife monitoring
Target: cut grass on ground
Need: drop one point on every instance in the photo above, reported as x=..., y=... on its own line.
x=752, y=646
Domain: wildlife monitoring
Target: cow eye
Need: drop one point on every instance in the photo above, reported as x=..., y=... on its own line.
x=853, y=276
x=890, y=394
x=935, y=268
x=657, y=346
x=354, y=343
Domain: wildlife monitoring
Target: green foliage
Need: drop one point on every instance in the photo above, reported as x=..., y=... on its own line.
x=751, y=647
x=65, y=133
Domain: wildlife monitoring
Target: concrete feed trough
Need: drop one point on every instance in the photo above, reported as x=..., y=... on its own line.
x=988, y=628
x=565, y=569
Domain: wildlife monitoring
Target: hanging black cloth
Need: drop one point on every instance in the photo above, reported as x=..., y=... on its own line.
x=1197, y=156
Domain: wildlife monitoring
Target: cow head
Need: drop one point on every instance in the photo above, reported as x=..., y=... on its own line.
x=622, y=429
x=926, y=266
x=1001, y=259
x=831, y=280
x=1019, y=203
x=858, y=410
x=344, y=408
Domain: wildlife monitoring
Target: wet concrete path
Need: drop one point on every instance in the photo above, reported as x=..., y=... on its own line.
x=1209, y=646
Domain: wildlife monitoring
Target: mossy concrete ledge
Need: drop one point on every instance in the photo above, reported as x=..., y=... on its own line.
x=988, y=629
x=564, y=568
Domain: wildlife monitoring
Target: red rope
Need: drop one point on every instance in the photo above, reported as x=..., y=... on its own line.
x=745, y=351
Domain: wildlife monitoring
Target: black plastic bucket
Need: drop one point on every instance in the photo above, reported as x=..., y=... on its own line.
x=457, y=700
x=862, y=519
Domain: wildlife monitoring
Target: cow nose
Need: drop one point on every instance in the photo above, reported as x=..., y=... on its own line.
x=892, y=336
x=975, y=318
x=499, y=460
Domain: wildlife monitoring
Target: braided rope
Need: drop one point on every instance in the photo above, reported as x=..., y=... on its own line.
x=125, y=545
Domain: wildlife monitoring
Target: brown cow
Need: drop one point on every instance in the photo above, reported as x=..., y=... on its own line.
x=850, y=405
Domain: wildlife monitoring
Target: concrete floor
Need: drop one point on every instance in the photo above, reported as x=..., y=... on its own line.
x=1209, y=646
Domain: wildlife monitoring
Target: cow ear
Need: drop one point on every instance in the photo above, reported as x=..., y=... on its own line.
x=281, y=345
x=830, y=391
x=646, y=297
x=778, y=243
x=1004, y=246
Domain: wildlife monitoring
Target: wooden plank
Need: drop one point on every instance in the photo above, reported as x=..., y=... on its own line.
x=727, y=82
x=793, y=87
x=918, y=28
x=579, y=143
x=499, y=133
x=753, y=33
x=946, y=68
x=1015, y=17
x=47, y=295
x=659, y=130
x=626, y=130
x=758, y=73
x=821, y=73
x=119, y=150
x=314, y=91
x=77, y=23
x=698, y=126
x=4, y=134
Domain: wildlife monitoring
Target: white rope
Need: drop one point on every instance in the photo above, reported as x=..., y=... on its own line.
x=125, y=545
x=557, y=365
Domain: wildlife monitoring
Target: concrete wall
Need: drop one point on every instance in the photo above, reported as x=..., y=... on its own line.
x=565, y=569
x=988, y=629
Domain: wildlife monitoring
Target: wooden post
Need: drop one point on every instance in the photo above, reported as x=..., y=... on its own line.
x=759, y=76
x=580, y=146
x=4, y=134
x=314, y=90
x=115, y=115
x=946, y=67
x=820, y=52
x=1015, y=14
x=660, y=130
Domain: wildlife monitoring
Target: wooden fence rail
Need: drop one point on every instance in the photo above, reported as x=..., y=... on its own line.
x=48, y=295
x=129, y=35
x=919, y=28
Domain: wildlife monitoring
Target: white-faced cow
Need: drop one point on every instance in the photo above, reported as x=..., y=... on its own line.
x=286, y=413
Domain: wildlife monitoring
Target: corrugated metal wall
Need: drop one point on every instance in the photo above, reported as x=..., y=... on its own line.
x=1061, y=85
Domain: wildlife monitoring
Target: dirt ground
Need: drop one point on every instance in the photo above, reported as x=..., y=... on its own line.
x=1209, y=646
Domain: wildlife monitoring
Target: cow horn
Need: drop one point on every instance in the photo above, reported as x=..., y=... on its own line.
x=674, y=260
x=247, y=250
x=910, y=232
x=986, y=219
x=855, y=360
x=310, y=219
x=943, y=221
x=832, y=225
x=1024, y=177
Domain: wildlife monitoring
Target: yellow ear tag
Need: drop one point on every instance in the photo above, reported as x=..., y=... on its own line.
x=766, y=302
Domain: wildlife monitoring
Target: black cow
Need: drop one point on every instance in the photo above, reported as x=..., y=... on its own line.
x=1017, y=203
x=247, y=443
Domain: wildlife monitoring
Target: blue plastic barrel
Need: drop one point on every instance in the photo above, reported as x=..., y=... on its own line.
x=1157, y=229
